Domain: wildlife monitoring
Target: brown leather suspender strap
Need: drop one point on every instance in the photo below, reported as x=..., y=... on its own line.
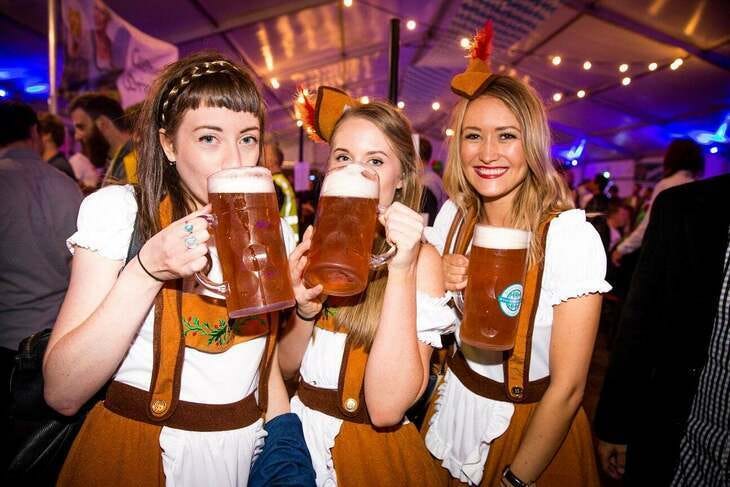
x=455, y=224
x=266, y=359
x=461, y=229
x=352, y=377
x=517, y=386
x=169, y=353
x=517, y=365
x=486, y=387
x=160, y=405
x=347, y=402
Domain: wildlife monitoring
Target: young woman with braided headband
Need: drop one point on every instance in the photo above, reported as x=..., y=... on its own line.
x=181, y=407
x=515, y=418
x=364, y=359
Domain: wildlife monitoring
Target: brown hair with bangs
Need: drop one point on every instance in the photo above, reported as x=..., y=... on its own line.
x=205, y=79
x=360, y=314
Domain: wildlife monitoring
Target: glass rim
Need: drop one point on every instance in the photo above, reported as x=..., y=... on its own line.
x=257, y=171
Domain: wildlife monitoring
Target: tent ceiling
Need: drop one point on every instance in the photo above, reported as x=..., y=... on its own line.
x=312, y=42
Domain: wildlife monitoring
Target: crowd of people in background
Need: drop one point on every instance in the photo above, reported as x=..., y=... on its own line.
x=640, y=233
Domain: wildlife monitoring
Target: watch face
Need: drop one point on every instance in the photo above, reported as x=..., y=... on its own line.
x=512, y=479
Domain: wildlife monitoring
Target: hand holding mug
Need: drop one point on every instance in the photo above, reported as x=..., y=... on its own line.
x=178, y=250
x=455, y=267
x=403, y=229
x=309, y=300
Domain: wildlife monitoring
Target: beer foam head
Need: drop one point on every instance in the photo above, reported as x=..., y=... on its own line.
x=490, y=237
x=241, y=180
x=351, y=180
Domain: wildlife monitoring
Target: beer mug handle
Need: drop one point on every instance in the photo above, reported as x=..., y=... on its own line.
x=216, y=287
x=459, y=301
x=380, y=259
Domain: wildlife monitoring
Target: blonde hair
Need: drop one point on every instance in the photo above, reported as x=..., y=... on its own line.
x=360, y=314
x=543, y=192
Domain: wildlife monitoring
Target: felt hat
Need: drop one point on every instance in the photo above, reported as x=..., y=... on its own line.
x=321, y=115
x=478, y=75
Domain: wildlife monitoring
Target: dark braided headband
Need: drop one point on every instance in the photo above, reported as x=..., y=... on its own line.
x=212, y=67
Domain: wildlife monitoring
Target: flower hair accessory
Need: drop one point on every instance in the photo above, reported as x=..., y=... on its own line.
x=478, y=75
x=320, y=115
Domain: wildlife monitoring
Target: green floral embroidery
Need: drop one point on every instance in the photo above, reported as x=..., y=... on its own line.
x=219, y=333
x=241, y=324
x=329, y=312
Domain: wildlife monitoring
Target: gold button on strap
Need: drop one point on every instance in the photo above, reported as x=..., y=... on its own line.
x=158, y=407
x=351, y=404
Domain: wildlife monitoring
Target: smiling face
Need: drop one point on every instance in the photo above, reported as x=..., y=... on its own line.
x=210, y=139
x=492, y=150
x=359, y=140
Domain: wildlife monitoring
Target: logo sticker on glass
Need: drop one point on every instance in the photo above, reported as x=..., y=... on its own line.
x=510, y=300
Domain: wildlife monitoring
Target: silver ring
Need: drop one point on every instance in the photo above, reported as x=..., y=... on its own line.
x=191, y=242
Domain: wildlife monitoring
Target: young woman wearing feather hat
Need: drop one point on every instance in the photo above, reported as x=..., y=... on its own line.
x=364, y=359
x=515, y=417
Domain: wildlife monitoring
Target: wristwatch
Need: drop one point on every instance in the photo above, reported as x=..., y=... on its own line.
x=513, y=480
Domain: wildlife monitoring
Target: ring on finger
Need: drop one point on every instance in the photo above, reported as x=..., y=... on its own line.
x=188, y=227
x=191, y=242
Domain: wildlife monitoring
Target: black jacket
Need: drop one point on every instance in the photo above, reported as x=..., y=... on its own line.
x=665, y=329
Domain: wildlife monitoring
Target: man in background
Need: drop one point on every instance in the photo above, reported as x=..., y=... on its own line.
x=664, y=416
x=683, y=162
x=273, y=159
x=618, y=218
x=434, y=194
x=103, y=128
x=38, y=214
x=53, y=134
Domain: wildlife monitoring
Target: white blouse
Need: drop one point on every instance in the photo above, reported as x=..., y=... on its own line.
x=321, y=368
x=464, y=424
x=105, y=226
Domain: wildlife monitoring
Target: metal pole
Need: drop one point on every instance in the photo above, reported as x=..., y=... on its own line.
x=53, y=92
x=301, y=143
x=393, y=60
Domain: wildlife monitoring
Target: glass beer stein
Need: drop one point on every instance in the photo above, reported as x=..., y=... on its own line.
x=247, y=233
x=493, y=296
x=340, y=256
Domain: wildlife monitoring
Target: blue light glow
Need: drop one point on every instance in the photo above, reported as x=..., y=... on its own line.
x=713, y=150
x=707, y=138
x=36, y=88
x=3, y=93
x=575, y=151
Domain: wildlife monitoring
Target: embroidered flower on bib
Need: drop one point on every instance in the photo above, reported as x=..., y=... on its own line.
x=219, y=333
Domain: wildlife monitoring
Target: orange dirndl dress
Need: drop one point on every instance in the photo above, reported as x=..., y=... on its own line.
x=364, y=455
x=574, y=464
x=119, y=442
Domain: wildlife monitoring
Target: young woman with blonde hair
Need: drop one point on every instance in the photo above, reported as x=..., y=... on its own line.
x=516, y=418
x=364, y=360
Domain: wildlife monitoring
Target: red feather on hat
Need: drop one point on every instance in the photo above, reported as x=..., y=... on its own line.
x=306, y=112
x=482, y=45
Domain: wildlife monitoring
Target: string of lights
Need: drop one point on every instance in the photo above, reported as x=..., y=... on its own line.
x=627, y=71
